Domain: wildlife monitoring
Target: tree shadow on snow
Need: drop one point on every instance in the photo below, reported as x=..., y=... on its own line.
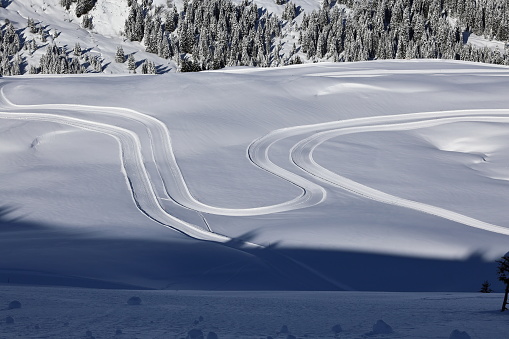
x=39, y=254
x=5, y=3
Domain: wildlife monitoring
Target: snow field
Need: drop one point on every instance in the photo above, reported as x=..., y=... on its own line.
x=172, y=314
x=190, y=164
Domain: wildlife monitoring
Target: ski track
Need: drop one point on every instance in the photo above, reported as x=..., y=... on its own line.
x=161, y=156
x=153, y=175
x=302, y=156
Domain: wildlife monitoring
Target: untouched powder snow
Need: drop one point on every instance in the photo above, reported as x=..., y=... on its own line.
x=249, y=315
x=302, y=175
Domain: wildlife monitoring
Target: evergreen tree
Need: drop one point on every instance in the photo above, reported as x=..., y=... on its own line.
x=66, y=4
x=152, y=68
x=77, y=50
x=86, y=22
x=131, y=64
x=144, y=68
x=486, y=287
x=84, y=6
x=120, y=55
x=503, y=276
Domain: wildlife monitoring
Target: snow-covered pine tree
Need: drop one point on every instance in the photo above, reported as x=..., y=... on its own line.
x=131, y=64
x=84, y=6
x=152, y=68
x=120, y=55
x=77, y=49
x=86, y=22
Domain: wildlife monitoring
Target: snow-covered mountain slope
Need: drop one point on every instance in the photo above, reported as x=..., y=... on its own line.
x=398, y=164
x=65, y=29
x=42, y=24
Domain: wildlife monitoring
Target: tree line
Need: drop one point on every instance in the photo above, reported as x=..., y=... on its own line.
x=204, y=35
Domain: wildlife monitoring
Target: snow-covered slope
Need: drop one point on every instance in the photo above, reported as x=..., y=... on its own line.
x=109, y=16
x=65, y=30
x=398, y=164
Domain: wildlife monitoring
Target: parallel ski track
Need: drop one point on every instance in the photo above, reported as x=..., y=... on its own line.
x=132, y=164
x=161, y=156
x=302, y=155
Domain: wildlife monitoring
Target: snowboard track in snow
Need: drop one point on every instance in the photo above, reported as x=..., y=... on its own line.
x=153, y=175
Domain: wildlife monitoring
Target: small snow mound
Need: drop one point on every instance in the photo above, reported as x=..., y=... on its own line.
x=89, y=335
x=381, y=327
x=336, y=329
x=14, y=304
x=9, y=320
x=195, y=334
x=134, y=301
x=291, y=337
x=118, y=331
x=284, y=329
x=456, y=334
x=212, y=335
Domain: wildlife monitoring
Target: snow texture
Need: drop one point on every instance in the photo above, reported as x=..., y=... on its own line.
x=248, y=315
x=456, y=334
x=14, y=304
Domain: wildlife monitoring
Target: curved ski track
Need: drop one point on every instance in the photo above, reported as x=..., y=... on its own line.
x=157, y=149
x=152, y=171
x=302, y=156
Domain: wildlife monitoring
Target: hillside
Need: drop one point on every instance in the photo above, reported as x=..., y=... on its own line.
x=318, y=171
x=104, y=36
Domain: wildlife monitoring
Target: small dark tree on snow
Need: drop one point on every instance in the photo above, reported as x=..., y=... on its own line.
x=77, y=49
x=86, y=22
x=120, y=56
x=131, y=64
x=486, y=287
x=66, y=4
x=503, y=276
